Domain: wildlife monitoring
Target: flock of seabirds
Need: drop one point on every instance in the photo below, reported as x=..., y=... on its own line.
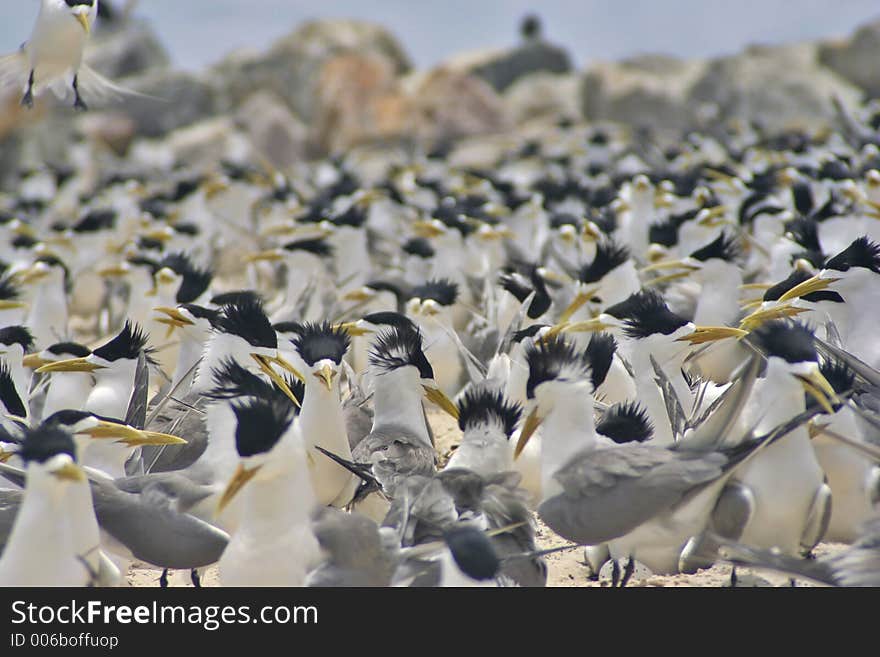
x=668, y=355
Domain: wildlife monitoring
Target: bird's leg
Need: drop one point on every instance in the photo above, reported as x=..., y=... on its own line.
x=28, y=98
x=615, y=573
x=628, y=571
x=194, y=576
x=733, y=577
x=163, y=579
x=78, y=103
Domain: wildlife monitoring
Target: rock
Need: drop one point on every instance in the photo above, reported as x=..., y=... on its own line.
x=204, y=144
x=130, y=49
x=357, y=101
x=447, y=105
x=504, y=69
x=110, y=129
x=544, y=96
x=275, y=133
x=176, y=99
x=292, y=67
x=646, y=91
x=779, y=87
x=856, y=59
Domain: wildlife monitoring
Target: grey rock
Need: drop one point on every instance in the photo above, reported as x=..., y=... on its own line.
x=779, y=87
x=275, y=132
x=646, y=91
x=292, y=66
x=502, y=70
x=130, y=49
x=544, y=96
x=856, y=59
x=175, y=99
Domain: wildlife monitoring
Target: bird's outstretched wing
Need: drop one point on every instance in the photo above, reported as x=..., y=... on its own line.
x=94, y=87
x=12, y=71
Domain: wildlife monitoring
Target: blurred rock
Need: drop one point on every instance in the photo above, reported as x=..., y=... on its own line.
x=110, y=129
x=502, y=70
x=780, y=87
x=131, y=48
x=648, y=91
x=856, y=59
x=447, y=105
x=175, y=99
x=292, y=67
x=275, y=133
x=544, y=96
x=204, y=144
x=357, y=101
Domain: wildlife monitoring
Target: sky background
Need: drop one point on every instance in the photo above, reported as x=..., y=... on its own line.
x=200, y=32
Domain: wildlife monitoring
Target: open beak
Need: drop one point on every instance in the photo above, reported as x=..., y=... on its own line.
x=265, y=365
x=31, y=275
x=703, y=334
x=71, y=365
x=83, y=19
x=69, y=472
x=594, y=325
x=530, y=426
x=579, y=300
x=132, y=437
x=326, y=374
x=814, y=284
x=239, y=479
x=439, y=398
x=174, y=317
x=817, y=386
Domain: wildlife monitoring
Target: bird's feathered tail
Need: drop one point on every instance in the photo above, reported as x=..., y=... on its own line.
x=94, y=87
x=12, y=71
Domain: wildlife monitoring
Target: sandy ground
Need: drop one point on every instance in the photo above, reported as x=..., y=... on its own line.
x=564, y=568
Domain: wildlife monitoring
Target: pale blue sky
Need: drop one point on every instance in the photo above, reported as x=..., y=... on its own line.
x=199, y=32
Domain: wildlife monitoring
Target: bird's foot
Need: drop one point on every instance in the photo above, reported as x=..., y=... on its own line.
x=628, y=571
x=79, y=105
x=163, y=579
x=196, y=580
x=28, y=99
x=733, y=577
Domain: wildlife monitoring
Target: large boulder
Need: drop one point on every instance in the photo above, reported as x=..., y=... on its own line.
x=292, y=67
x=274, y=131
x=544, y=96
x=780, y=87
x=648, y=91
x=856, y=59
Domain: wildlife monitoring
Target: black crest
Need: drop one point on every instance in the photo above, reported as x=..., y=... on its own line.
x=95, y=221
x=391, y=319
x=142, y=261
x=128, y=344
x=838, y=374
x=528, y=332
x=485, y=406
x=8, y=289
x=11, y=335
x=600, y=353
x=386, y=286
x=200, y=312
x=261, y=424
x=441, y=290
x=319, y=341
x=790, y=341
x=237, y=296
x=861, y=253
x=232, y=381
x=521, y=287
x=44, y=442
x=8, y=393
x=400, y=347
x=648, y=314
x=419, y=246
x=195, y=280
x=73, y=349
x=796, y=278
x=609, y=256
x=67, y=418
x=554, y=359
x=723, y=247
x=560, y=219
x=248, y=320
x=319, y=247
x=626, y=423
x=805, y=232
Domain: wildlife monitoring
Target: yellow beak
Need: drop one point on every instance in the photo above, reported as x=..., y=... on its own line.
x=818, y=387
x=438, y=397
x=239, y=479
x=579, y=300
x=326, y=374
x=809, y=286
x=71, y=365
x=360, y=295
x=264, y=256
x=760, y=317
x=533, y=421
x=703, y=334
x=264, y=363
x=175, y=317
x=33, y=361
x=83, y=19
x=69, y=472
x=132, y=437
x=352, y=329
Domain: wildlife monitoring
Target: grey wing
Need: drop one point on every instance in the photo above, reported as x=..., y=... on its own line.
x=188, y=422
x=358, y=421
x=184, y=492
x=609, y=492
x=154, y=532
x=395, y=454
x=10, y=501
x=859, y=565
x=136, y=415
